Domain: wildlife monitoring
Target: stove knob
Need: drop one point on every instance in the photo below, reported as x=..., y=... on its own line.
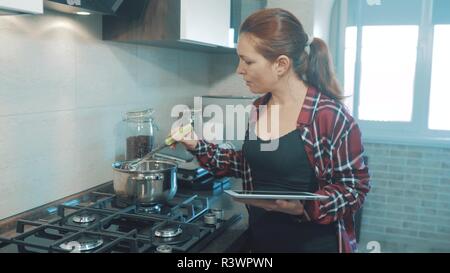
x=164, y=249
x=210, y=219
x=219, y=213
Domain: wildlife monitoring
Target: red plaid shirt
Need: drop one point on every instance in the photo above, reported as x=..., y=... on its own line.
x=334, y=148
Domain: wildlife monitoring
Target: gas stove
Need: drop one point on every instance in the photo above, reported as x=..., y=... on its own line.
x=100, y=222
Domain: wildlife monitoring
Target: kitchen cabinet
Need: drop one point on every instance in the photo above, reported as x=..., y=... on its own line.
x=103, y=7
x=21, y=7
x=205, y=22
x=189, y=24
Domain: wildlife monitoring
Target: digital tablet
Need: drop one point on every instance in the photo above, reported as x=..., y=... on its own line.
x=277, y=195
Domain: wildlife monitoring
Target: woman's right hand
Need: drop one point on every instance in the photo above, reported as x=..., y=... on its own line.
x=185, y=136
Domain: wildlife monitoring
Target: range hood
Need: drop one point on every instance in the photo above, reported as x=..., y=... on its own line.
x=103, y=7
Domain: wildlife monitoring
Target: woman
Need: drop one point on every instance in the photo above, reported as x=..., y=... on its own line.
x=319, y=146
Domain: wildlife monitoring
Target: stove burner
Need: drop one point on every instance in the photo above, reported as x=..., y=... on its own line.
x=154, y=209
x=83, y=219
x=210, y=219
x=219, y=213
x=168, y=231
x=178, y=240
x=83, y=244
x=164, y=249
x=170, y=234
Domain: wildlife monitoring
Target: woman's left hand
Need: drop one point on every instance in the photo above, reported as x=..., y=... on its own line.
x=293, y=207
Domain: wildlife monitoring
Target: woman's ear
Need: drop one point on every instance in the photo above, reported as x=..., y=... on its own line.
x=282, y=65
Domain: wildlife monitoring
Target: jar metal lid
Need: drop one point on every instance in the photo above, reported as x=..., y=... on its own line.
x=140, y=115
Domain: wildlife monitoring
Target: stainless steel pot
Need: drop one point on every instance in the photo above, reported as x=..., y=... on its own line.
x=152, y=182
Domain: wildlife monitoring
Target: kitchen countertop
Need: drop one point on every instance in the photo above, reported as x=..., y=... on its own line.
x=232, y=238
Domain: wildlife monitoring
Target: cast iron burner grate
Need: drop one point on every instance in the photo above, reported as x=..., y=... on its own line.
x=94, y=224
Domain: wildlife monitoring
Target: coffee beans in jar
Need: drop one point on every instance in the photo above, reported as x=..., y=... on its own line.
x=140, y=133
x=138, y=146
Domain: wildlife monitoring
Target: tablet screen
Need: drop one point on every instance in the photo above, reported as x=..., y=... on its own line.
x=287, y=195
x=275, y=193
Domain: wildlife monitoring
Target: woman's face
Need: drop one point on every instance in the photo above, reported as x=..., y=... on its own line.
x=258, y=73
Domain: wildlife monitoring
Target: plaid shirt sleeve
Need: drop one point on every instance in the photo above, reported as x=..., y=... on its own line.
x=343, y=168
x=222, y=160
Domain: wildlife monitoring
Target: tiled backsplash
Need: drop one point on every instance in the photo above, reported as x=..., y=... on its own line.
x=408, y=208
x=63, y=92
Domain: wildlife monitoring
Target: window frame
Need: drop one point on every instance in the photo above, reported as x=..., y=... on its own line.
x=415, y=132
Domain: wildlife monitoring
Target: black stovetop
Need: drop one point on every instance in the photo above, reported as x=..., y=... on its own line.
x=99, y=222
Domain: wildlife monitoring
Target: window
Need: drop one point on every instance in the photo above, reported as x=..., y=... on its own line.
x=395, y=58
x=440, y=87
x=388, y=64
x=350, y=60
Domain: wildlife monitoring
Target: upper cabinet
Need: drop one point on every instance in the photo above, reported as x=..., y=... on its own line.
x=205, y=22
x=206, y=25
x=21, y=7
x=190, y=24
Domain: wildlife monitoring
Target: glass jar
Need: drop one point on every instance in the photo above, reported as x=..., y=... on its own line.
x=139, y=133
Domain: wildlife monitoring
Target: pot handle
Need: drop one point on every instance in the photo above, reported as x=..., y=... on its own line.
x=156, y=176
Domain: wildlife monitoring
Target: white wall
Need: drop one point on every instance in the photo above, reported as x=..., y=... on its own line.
x=313, y=14
x=322, y=18
x=302, y=9
x=63, y=92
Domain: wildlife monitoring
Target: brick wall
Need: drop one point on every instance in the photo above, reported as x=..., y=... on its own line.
x=408, y=209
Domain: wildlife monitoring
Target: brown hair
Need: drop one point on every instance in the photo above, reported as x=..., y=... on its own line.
x=279, y=32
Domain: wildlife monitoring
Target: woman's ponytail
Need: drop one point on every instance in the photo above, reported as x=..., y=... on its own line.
x=320, y=70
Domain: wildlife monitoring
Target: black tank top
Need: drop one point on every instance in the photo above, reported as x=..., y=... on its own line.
x=285, y=169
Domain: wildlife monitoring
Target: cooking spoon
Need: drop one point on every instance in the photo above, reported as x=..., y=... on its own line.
x=131, y=166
